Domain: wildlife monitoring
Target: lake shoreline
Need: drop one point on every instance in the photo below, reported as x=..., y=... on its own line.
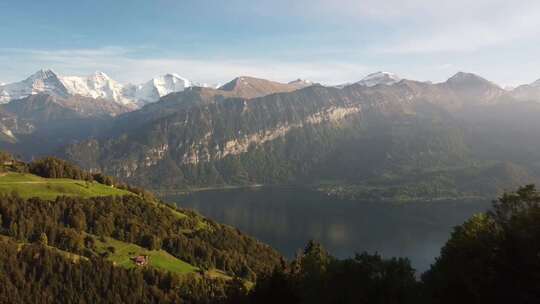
x=315, y=188
x=287, y=216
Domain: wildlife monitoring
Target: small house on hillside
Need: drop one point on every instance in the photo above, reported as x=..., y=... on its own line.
x=141, y=260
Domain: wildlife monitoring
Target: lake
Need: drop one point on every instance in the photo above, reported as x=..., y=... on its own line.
x=287, y=217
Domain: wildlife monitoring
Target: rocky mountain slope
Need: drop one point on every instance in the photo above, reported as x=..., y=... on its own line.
x=353, y=135
x=43, y=81
x=43, y=123
x=251, y=87
x=100, y=86
x=527, y=92
x=378, y=78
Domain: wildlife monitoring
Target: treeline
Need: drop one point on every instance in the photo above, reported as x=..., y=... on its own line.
x=36, y=273
x=187, y=236
x=49, y=167
x=317, y=277
x=492, y=258
x=52, y=167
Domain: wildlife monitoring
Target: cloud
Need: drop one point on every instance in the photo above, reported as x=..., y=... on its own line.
x=130, y=65
x=472, y=35
x=465, y=27
x=434, y=26
x=328, y=41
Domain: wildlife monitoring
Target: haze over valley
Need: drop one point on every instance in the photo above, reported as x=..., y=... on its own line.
x=380, y=138
x=248, y=152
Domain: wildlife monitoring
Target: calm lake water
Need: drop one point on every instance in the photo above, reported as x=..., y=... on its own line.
x=286, y=218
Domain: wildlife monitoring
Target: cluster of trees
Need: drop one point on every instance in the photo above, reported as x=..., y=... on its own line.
x=317, y=277
x=491, y=258
x=35, y=273
x=185, y=235
x=52, y=167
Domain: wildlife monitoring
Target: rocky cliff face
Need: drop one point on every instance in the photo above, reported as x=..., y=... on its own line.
x=211, y=132
x=43, y=123
x=205, y=137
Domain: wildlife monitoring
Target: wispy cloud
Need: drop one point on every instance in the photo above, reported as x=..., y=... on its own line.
x=471, y=35
x=129, y=65
x=329, y=41
x=461, y=26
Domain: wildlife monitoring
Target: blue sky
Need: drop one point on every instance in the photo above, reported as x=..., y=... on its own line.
x=326, y=41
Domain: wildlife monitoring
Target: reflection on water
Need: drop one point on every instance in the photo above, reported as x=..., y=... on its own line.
x=286, y=218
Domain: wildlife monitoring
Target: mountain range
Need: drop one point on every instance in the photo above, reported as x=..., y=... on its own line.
x=97, y=85
x=382, y=137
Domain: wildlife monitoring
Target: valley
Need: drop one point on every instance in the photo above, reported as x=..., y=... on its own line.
x=284, y=217
x=263, y=152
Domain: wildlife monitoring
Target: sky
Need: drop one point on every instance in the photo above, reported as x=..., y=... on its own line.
x=327, y=41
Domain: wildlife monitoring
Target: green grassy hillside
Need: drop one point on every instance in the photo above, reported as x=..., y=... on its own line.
x=121, y=253
x=28, y=185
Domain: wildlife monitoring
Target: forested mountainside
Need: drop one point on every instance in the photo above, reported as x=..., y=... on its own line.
x=60, y=252
x=42, y=119
x=398, y=140
x=49, y=239
x=406, y=140
x=41, y=124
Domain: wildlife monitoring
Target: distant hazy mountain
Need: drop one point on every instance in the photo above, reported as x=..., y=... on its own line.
x=403, y=138
x=473, y=88
x=374, y=79
x=301, y=83
x=42, y=123
x=43, y=81
x=98, y=85
x=409, y=138
x=527, y=92
x=156, y=88
x=251, y=87
x=379, y=78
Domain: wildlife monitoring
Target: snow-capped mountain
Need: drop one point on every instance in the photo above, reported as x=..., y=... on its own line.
x=43, y=81
x=377, y=78
x=157, y=87
x=301, y=83
x=98, y=85
x=527, y=92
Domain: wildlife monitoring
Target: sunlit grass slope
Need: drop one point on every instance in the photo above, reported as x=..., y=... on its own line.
x=28, y=185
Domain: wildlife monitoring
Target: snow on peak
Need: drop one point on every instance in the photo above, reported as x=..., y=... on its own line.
x=535, y=84
x=95, y=85
x=42, y=81
x=100, y=75
x=156, y=88
x=42, y=75
x=378, y=78
x=301, y=83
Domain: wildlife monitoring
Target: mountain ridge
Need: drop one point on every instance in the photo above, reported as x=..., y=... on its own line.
x=221, y=139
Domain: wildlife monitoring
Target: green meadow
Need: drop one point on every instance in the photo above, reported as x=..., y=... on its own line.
x=28, y=185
